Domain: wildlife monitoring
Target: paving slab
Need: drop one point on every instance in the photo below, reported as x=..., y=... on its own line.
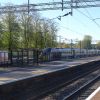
x=12, y=74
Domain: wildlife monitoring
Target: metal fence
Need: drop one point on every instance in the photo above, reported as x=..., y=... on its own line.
x=4, y=60
x=30, y=57
x=23, y=57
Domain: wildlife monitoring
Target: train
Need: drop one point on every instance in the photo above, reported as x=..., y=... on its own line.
x=71, y=52
x=48, y=54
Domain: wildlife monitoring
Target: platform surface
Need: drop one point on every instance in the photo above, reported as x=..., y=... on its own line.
x=95, y=95
x=11, y=74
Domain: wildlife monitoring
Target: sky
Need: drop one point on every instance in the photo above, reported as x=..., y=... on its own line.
x=70, y=27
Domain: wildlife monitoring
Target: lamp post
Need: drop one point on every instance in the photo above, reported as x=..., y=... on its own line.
x=71, y=45
x=80, y=45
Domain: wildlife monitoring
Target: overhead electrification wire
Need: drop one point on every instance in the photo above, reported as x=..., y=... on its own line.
x=87, y=10
x=59, y=17
x=67, y=28
x=89, y=18
x=89, y=15
x=83, y=24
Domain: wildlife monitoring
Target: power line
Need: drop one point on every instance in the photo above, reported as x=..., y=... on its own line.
x=96, y=18
x=87, y=11
x=92, y=17
x=89, y=18
x=83, y=24
x=67, y=28
x=61, y=16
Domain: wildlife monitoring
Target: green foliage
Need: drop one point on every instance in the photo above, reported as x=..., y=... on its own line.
x=98, y=45
x=26, y=31
x=1, y=35
x=86, y=43
x=11, y=31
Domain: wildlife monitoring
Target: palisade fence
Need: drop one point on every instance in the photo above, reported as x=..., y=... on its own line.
x=24, y=57
x=30, y=57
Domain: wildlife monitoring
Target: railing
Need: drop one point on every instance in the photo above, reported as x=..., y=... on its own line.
x=24, y=57
x=4, y=60
x=30, y=57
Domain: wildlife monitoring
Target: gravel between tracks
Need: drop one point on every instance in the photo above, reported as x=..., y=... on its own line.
x=66, y=90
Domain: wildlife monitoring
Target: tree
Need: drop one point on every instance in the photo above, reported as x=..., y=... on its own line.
x=12, y=30
x=49, y=29
x=53, y=31
x=98, y=45
x=1, y=35
x=24, y=30
x=86, y=43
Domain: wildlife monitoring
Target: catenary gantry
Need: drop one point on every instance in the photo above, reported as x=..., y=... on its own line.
x=68, y=4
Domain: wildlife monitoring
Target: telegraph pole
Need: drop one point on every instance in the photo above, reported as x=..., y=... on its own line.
x=80, y=46
x=71, y=45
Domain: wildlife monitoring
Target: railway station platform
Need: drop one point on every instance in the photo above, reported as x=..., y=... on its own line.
x=95, y=95
x=12, y=74
x=19, y=83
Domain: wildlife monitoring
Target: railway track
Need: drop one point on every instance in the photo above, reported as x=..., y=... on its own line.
x=69, y=91
x=89, y=89
x=80, y=93
x=55, y=85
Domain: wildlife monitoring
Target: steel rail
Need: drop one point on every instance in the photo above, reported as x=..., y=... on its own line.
x=83, y=86
x=62, y=85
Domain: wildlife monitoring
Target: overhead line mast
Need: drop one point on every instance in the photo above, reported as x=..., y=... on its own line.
x=71, y=7
x=62, y=5
x=72, y=4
